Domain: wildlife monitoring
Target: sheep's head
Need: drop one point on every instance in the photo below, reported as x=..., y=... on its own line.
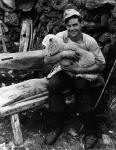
x=52, y=44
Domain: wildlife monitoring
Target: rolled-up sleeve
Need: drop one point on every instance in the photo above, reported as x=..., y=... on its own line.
x=95, y=49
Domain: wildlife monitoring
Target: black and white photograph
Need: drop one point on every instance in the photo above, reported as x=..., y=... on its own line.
x=57, y=74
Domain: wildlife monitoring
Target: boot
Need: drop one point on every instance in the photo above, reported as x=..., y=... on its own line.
x=92, y=131
x=57, y=128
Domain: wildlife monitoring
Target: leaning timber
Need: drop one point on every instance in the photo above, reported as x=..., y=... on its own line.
x=23, y=60
x=26, y=91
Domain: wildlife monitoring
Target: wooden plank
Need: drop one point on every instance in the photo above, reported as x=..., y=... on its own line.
x=23, y=60
x=25, y=36
x=18, y=139
x=2, y=38
x=14, y=93
x=28, y=99
x=19, y=107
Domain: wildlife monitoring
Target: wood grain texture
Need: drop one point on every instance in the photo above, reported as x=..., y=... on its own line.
x=33, y=88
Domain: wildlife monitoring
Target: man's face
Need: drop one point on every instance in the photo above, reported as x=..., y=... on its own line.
x=74, y=27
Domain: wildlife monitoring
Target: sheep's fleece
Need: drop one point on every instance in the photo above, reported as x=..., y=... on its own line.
x=54, y=45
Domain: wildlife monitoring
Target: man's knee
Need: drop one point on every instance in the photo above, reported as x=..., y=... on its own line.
x=81, y=84
x=54, y=84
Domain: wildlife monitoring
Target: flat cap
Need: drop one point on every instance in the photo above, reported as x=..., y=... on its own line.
x=71, y=12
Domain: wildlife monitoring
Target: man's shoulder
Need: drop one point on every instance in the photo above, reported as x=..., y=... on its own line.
x=87, y=37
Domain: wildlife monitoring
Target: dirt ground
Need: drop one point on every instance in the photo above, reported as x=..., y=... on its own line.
x=35, y=124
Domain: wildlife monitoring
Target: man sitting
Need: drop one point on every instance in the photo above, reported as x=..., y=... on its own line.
x=67, y=78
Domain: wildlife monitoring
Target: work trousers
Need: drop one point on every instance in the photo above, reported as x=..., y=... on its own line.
x=81, y=88
x=83, y=92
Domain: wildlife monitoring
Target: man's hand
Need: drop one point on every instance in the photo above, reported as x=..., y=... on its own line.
x=71, y=68
x=70, y=54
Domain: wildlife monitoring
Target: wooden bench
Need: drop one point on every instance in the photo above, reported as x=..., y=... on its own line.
x=21, y=97
x=15, y=104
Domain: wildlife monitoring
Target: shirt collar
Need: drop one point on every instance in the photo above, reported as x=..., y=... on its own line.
x=66, y=37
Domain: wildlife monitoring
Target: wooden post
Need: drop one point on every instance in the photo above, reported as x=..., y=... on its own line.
x=2, y=38
x=18, y=139
x=26, y=35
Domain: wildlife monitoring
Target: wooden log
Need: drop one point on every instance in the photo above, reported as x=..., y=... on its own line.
x=26, y=89
x=22, y=106
x=28, y=98
x=18, y=139
x=23, y=60
x=25, y=37
x=2, y=38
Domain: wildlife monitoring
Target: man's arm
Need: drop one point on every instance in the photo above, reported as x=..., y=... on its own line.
x=69, y=54
x=53, y=59
x=75, y=69
x=95, y=68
